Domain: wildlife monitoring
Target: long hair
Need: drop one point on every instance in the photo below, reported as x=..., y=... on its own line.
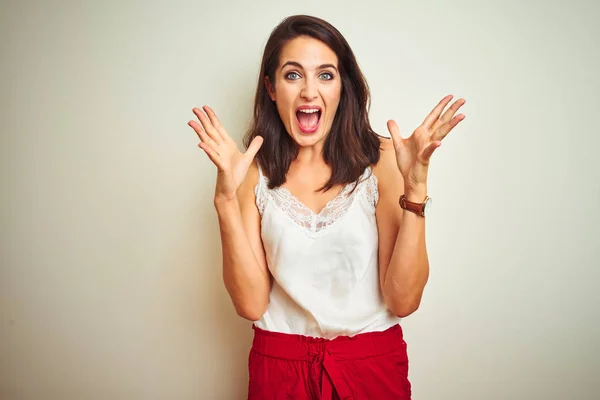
x=351, y=145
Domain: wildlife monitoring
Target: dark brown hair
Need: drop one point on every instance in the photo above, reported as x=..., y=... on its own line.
x=351, y=145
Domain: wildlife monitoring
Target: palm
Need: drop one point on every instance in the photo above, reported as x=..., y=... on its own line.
x=414, y=152
x=409, y=152
x=238, y=165
x=232, y=164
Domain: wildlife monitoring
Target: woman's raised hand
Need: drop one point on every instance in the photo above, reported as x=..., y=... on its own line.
x=232, y=164
x=414, y=152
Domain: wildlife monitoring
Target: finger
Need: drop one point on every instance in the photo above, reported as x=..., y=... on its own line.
x=445, y=129
x=394, y=133
x=212, y=116
x=254, y=147
x=430, y=149
x=436, y=112
x=208, y=126
x=447, y=116
x=211, y=153
x=200, y=132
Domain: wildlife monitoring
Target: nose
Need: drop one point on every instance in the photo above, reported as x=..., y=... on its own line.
x=309, y=89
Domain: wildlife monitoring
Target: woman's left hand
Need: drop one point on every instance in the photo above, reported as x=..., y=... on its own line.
x=414, y=152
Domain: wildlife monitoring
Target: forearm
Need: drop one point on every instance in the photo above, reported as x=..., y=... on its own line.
x=408, y=270
x=246, y=281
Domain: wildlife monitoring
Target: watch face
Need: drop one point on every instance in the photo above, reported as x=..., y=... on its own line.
x=427, y=206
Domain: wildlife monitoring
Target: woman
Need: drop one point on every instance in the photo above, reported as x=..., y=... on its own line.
x=318, y=250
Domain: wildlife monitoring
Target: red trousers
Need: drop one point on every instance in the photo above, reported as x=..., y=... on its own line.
x=370, y=365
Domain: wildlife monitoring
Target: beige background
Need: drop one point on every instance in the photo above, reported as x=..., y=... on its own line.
x=110, y=282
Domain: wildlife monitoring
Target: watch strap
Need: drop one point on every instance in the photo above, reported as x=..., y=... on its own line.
x=417, y=208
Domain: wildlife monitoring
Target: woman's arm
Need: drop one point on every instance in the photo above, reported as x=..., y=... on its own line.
x=244, y=267
x=245, y=272
x=403, y=261
x=404, y=166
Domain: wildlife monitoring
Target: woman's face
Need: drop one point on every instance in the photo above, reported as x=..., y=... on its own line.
x=306, y=89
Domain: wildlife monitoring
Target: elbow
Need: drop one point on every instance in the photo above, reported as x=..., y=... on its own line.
x=251, y=313
x=404, y=311
x=403, y=301
x=402, y=308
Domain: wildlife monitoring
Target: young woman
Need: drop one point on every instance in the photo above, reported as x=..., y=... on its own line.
x=322, y=222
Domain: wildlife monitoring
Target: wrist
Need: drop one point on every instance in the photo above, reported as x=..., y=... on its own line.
x=416, y=194
x=224, y=202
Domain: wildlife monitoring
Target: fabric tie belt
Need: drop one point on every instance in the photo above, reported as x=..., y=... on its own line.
x=327, y=358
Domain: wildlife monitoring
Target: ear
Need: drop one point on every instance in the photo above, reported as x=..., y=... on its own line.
x=270, y=88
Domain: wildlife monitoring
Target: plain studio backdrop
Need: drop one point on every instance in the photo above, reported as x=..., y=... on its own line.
x=110, y=280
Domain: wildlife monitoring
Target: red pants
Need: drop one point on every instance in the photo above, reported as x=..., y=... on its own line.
x=370, y=365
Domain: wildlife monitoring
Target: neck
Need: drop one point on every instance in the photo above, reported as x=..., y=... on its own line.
x=310, y=155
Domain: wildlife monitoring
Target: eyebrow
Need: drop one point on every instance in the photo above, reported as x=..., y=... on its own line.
x=322, y=66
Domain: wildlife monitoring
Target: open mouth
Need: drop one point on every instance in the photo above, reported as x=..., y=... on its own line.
x=308, y=118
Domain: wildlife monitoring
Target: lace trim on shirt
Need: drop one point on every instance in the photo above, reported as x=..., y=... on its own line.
x=372, y=191
x=333, y=210
x=260, y=192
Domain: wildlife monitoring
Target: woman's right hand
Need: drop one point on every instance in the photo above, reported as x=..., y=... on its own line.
x=232, y=164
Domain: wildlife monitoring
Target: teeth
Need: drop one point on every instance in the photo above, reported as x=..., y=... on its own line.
x=309, y=111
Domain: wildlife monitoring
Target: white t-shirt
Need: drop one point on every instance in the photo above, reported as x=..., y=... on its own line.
x=324, y=266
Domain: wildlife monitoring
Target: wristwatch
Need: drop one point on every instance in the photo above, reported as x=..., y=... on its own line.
x=418, y=208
